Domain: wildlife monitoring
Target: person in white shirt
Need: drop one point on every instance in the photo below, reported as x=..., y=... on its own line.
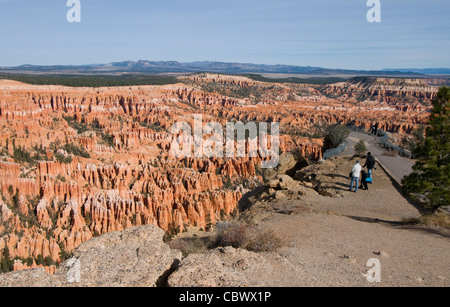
x=356, y=171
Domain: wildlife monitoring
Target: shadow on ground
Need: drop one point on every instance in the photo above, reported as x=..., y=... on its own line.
x=404, y=225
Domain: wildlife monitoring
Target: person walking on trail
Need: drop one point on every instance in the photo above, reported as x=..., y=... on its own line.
x=364, y=180
x=370, y=163
x=355, y=174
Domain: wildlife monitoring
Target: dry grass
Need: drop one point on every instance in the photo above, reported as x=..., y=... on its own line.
x=194, y=245
x=391, y=153
x=235, y=234
x=440, y=220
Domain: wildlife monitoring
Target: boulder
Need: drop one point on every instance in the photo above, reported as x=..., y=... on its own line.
x=224, y=267
x=206, y=270
x=286, y=183
x=289, y=163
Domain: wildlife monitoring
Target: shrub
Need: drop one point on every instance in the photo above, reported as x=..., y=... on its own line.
x=360, y=148
x=234, y=234
x=334, y=136
x=189, y=246
x=264, y=241
x=239, y=235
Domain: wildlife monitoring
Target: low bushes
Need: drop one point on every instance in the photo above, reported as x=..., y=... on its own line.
x=235, y=234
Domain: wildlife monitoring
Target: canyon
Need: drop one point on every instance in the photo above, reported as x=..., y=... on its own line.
x=78, y=163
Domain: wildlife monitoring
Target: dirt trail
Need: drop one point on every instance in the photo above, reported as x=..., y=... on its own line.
x=330, y=239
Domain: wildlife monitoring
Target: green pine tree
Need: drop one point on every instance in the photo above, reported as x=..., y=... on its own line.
x=430, y=181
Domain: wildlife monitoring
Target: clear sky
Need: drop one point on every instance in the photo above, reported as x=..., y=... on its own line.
x=326, y=33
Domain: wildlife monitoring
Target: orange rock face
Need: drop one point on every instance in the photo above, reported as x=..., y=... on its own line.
x=81, y=162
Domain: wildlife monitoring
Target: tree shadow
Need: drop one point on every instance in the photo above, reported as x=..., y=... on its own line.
x=347, y=188
x=245, y=202
x=444, y=233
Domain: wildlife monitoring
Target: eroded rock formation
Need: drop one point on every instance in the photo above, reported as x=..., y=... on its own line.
x=77, y=163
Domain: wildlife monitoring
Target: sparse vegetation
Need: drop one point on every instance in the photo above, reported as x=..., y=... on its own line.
x=76, y=150
x=21, y=155
x=63, y=159
x=79, y=127
x=235, y=234
x=105, y=137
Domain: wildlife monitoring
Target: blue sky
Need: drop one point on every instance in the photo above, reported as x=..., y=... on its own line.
x=326, y=33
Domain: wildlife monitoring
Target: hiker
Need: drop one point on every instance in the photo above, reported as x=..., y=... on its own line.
x=364, y=180
x=375, y=129
x=370, y=163
x=356, y=171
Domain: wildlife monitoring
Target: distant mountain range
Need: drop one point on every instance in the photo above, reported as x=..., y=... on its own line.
x=424, y=71
x=166, y=67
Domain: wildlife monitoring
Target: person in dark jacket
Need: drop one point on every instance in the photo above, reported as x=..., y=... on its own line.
x=370, y=163
x=364, y=177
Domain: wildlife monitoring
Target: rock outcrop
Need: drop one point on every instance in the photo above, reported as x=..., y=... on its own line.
x=136, y=257
x=288, y=164
x=230, y=267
